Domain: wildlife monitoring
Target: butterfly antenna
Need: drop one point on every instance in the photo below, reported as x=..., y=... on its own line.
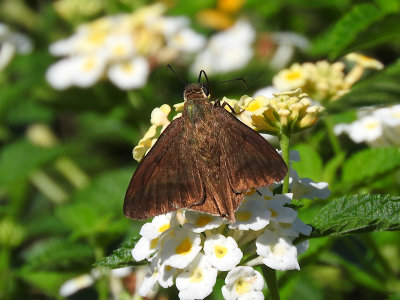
x=176, y=74
x=235, y=79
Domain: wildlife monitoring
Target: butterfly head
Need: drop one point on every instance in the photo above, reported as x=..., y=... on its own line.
x=196, y=91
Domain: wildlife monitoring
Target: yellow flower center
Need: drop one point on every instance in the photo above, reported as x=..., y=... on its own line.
x=119, y=50
x=242, y=286
x=163, y=228
x=278, y=250
x=127, y=68
x=254, y=105
x=185, y=247
x=153, y=243
x=371, y=125
x=203, y=220
x=293, y=75
x=89, y=64
x=197, y=275
x=250, y=192
x=243, y=215
x=96, y=38
x=220, y=251
x=273, y=213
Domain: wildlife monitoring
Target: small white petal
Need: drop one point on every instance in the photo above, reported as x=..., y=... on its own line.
x=222, y=252
x=72, y=286
x=278, y=252
x=131, y=74
x=197, y=280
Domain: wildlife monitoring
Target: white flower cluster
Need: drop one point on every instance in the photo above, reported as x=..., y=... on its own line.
x=123, y=47
x=11, y=43
x=189, y=248
x=377, y=127
x=227, y=50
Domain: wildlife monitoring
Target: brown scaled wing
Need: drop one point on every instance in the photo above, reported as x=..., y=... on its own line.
x=164, y=181
x=248, y=159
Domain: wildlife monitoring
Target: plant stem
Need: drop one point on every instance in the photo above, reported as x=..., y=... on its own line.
x=285, y=148
x=272, y=282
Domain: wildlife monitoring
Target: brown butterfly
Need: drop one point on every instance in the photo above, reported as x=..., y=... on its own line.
x=204, y=160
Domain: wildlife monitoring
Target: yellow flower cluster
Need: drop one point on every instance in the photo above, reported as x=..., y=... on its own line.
x=159, y=121
x=291, y=110
x=324, y=81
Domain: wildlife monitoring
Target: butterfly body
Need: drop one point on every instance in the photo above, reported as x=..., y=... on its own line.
x=205, y=161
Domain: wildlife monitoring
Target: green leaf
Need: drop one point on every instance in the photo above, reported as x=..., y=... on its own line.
x=58, y=254
x=98, y=207
x=382, y=88
x=310, y=164
x=121, y=257
x=357, y=214
x=48, y=282
x=370, y=163
x=344, y=32
x=19, y=159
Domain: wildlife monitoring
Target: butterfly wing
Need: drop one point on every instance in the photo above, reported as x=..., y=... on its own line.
x=247, y=158
x=167, y=179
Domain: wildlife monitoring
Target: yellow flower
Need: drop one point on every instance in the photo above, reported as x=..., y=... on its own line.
x=290, y=110
x=289, y=79
x=362, y=62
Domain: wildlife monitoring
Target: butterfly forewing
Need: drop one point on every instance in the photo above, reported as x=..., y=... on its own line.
x=166, y=179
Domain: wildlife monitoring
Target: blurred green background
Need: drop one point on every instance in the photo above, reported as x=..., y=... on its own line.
x=65, y=156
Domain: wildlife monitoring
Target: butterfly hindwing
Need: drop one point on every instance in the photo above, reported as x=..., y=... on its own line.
x=248, y=159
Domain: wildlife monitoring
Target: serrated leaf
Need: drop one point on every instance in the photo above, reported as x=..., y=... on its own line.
x=382, y=88
x=357, y=214
x=121, y=257
x=346, y=30
x=370, y=163
x=19, y=159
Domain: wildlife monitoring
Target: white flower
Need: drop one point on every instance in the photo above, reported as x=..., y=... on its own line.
x=227, y=50
x=200, y=222
x=72, y=286
x=279, y=212
x=60, y=74
x=156, y=227
x=88, y=69
x=149, y=282
x=10, y=43
x=180, y=248
x=187, y=40
x=307, y=188
x=252, y=214
x=267, y=92
x=389, y=116
x=197, y=280
x=291, y=229
x=144, y=248
x=82, y=71
x=222, y=252
x=290, y=79
x=278, y=252
x=120, y=47
x=243, y=283
x=129, y=74
x=367, y=129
